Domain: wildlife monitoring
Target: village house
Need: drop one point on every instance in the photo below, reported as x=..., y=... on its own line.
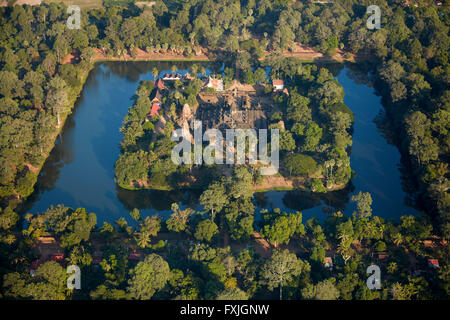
x=382, y=256
x=328, y=262
x=58, y=257
x=278, y=84
x=433, y=263
x=155, y=109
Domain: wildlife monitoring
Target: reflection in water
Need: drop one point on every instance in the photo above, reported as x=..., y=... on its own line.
x=132, y=71
x=80, y=169
x=156, y=199
x=374, y=157
x=376, y=162
x=310, y=204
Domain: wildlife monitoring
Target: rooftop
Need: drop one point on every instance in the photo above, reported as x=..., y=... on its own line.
x=433, y=263
x=277, y=82
x=155, y=109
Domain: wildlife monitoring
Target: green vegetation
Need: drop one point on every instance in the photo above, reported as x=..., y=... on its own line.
x=314, y=129
x=408, y=58
x=37, y=92
x=121, y=261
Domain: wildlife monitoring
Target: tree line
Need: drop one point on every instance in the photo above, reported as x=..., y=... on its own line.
x=194, y=263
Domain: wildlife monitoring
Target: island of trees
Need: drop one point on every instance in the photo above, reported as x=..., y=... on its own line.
x=224, y=252
x=313, y=122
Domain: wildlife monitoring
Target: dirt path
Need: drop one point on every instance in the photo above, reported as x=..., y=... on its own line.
x=307, y=53
x=4, y=3
x=301, y=52
x=199, y=55
x=263, y=248
x=271, y=182
x=32, y=168
x=69, y=59
x=278, y=182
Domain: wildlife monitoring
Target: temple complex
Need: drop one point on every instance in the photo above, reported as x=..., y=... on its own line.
x=233, y=109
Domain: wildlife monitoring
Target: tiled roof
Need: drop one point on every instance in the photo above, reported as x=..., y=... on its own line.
x=155, y=109
x=277, y=82
x=433, y=262
x=160, y=84
x=156, y=94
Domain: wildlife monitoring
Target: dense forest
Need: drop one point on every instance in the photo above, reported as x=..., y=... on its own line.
x=408, y=61
x=185, y=256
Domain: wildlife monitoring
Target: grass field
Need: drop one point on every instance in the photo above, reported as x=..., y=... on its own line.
x=4, y=3
x=84, y=4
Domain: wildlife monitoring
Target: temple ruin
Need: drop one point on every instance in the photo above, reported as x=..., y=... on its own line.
x=234, y=109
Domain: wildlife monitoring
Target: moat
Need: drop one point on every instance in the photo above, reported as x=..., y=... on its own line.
x=80, y=169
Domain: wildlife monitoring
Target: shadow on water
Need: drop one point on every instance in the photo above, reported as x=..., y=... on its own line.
x=80, y=170
x=389, y=179
x=157, y=199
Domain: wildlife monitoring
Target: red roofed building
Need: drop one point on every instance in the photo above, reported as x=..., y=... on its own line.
x=278, y=84
x=58, y=257
x=160, y=84
x=433, y=263
x=328, y=262
x=155, y=109
x=382, y=256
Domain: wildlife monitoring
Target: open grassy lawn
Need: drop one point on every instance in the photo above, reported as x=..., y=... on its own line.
x=4, y=3
x=84, y=4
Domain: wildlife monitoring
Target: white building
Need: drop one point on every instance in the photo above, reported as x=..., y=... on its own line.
x=278, y=84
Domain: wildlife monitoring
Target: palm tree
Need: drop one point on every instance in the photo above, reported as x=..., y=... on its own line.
x=397, y=239
x=143, y=239
x=155, y=72
x=194, y=68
